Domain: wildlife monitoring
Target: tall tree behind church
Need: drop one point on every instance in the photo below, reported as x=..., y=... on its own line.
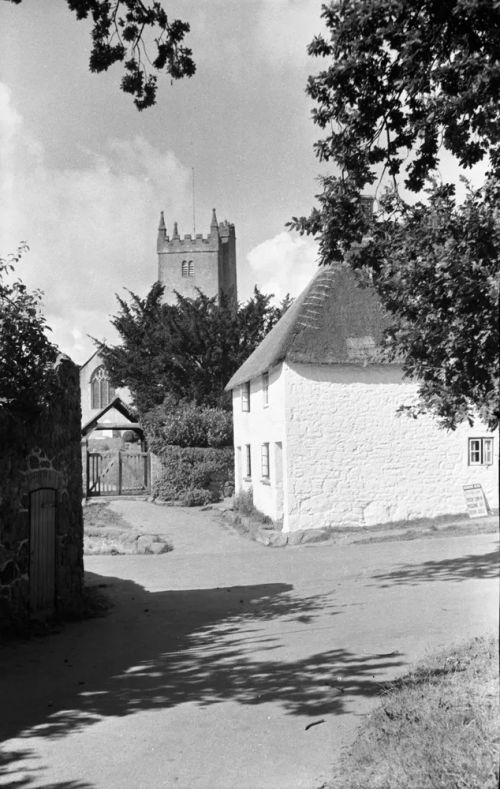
x=189, y=349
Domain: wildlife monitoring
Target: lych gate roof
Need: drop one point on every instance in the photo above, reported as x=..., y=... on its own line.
x=129, y=419
x=333, y=321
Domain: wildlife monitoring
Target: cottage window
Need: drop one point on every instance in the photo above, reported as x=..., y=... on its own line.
x=265, y=389
x=264, y=461
x=101, y=391
x=480, y=451
x=245, y=396
x=248, y=461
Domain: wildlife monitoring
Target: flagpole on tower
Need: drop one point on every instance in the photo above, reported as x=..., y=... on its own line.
x=194, y=213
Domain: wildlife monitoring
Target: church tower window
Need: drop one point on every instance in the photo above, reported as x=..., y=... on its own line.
x=101, y=391
x=187, y=268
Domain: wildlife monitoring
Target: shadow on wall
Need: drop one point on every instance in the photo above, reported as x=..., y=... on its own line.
x=158, y=650
x=461, y=568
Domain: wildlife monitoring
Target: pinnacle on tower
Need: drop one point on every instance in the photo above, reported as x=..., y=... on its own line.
x=176, y=231
x=214, y=225
x=162, y=225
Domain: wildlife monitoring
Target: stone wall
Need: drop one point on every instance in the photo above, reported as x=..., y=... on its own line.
x=41, y=450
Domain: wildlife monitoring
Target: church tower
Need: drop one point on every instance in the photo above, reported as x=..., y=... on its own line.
x=188, y=264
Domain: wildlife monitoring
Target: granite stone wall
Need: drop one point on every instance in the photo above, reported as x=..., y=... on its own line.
x=41, y=450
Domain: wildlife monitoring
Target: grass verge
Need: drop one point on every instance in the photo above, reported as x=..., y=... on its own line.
x=436, y=728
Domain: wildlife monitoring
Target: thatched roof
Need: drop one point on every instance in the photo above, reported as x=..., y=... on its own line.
x=333, y=321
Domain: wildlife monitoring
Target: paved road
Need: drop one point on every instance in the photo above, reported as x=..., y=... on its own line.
x=215, y=658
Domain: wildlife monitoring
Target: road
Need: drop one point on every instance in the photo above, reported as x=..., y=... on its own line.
x=215, y=659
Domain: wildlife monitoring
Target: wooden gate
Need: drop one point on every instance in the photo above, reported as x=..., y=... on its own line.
x=117, y=473
x=42, y=572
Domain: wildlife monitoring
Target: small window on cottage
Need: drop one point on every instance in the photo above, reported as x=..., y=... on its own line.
x=245, y=396
x=248, y=461
x=480, y=451
x=184, y=268
x=101, y=391
x=265, y=389
x=264, y=461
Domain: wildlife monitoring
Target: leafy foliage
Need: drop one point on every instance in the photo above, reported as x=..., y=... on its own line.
x=185, y=424
x=118, y=35
x=189, y=349
x=27, y=356
x=405, y=80
x=188, y=470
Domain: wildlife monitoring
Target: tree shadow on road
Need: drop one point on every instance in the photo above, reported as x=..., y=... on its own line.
x=17, y=768
x=156, y=650
x=459, y=568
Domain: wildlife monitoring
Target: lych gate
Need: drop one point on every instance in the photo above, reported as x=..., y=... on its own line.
x=117, y=473
x=119, y=470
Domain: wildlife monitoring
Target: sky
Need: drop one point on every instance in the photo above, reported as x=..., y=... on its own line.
x=84, y=175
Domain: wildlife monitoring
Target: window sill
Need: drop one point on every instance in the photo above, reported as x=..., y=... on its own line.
x=247, y=479
x=265, y=481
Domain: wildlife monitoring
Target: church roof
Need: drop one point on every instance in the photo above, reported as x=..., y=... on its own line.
x=333, y=321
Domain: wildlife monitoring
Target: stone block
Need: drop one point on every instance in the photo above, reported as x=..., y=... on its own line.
x=159, y=547
x=144, y=543
x=277, y=539
x=314, y=535
x=295, y=537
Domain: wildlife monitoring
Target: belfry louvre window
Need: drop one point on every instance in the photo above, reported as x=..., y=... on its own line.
x=101, y=391
x=264, y=461
x=187, y=268
x=245, y=396
x=480, y=451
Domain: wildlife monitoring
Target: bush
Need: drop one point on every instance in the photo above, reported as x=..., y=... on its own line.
x=196, y=497
x=243, y=503
x=186, y=424
x=188, y=469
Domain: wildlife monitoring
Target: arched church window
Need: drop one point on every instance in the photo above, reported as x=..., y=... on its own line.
x=190, y=269
x=184, y=268
x=101, y=391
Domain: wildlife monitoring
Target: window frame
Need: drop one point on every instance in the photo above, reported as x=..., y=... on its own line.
x=265, y=462
x=245, y=396
x=102, y=393
x=265, y=389
x=184, y=269
x=480, y=451
x=248, y=461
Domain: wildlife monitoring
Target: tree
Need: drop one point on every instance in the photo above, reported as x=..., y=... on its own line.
x=407, y=79
x=27, y=356
x=118, y=35
x=189, y=350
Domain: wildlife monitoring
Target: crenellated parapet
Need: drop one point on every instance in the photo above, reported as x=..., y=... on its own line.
x=190, y=263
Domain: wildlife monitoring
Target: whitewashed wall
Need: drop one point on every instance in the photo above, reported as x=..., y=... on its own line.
x=351, y=460
x=262, y=424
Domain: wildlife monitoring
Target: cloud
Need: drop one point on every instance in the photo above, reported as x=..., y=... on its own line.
x=91, y=229
x=284, y=264
x=285, y=28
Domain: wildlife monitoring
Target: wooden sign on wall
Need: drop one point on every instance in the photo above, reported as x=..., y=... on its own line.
x=476, y=503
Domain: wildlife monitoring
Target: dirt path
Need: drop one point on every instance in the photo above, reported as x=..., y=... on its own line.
x=216, y=658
